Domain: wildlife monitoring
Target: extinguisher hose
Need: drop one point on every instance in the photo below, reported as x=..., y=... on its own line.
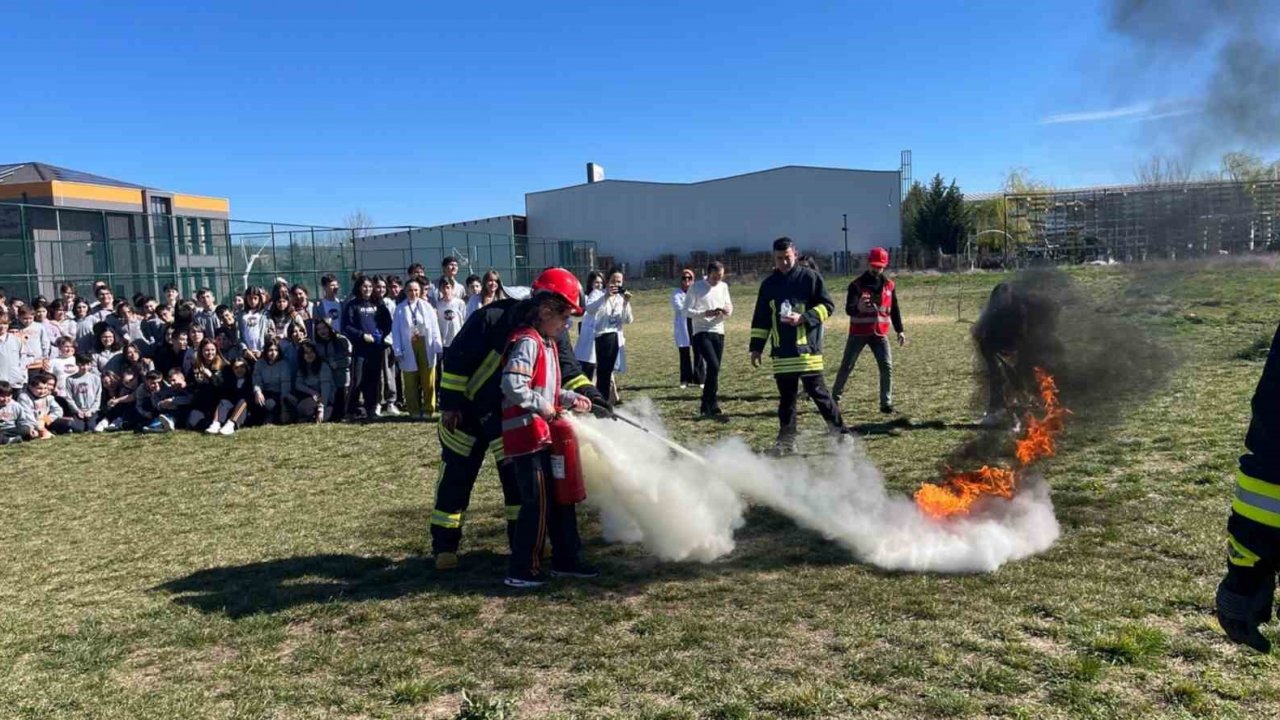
x=678, y=448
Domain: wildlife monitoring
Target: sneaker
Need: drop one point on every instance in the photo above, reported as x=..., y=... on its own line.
x=392, y=411
x=101, y=426
x=784, y=447
x=684, y=386
x=228, y=428
x=166, y=422
x=527, y=583
x=448, y=561
x=214, y=428
x=579, y=570
x=10, y=439
x=155, y=426
x=377, y=412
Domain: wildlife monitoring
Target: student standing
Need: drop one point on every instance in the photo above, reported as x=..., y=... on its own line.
x=12, y=369
x=532, y=395
x=417, y=343
x=611, y=311
x=708, y=305
x=252, y=324
x=83, y=395
x=584, y=351
x=682, y=332
x=335, y=350
x=366, y=322
x=330, y=304
x=391, y=390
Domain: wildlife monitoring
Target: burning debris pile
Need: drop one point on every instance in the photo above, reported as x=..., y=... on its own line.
x=960, y=490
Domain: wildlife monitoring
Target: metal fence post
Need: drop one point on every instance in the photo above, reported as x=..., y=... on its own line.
x=315, y=263
x=28, y=259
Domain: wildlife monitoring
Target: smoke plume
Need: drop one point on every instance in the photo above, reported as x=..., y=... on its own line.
x=683, y=509
x=1240, y=100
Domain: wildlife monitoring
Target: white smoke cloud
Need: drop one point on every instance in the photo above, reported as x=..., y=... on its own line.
x=680, y=509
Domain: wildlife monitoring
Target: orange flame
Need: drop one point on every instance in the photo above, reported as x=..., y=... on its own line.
x=957, y=493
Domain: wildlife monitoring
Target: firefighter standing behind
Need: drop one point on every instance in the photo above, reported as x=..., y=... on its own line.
x=792, y=305
x=470, y=421
x=1247, y=593
x=532, y=395
x=872, y=305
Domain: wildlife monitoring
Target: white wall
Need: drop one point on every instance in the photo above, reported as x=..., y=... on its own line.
x=485, y=243
x=639, y=221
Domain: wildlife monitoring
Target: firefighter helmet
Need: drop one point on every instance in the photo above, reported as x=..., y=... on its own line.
x=562, y=283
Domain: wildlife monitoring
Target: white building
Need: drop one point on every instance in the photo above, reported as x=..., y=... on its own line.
x=635, y=222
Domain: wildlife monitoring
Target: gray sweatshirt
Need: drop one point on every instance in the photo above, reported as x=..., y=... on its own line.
x=270, y=378
x=337, y=355
x=315, y=383
x=11, y=365
x=84, y=392
x=40, y=407
x=16, y=418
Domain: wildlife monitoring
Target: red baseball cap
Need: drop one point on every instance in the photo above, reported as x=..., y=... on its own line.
x=878, y=257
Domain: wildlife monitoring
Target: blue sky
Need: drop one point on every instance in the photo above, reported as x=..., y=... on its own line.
x=430, y=112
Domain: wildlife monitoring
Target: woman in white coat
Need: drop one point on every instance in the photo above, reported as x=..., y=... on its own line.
x=585, y=349
x=611, y=310
x=416, y=342
x=691, y=368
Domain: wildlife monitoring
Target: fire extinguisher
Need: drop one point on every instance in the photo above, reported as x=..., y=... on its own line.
x=566, y=465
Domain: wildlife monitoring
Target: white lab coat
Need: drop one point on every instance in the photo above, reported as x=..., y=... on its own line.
x=402, y=324
x=680, y=330
x=585, y=349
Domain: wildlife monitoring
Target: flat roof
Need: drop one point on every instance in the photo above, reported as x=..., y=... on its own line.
x=715, y=180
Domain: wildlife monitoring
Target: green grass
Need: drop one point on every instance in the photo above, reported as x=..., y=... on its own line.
x=282, y=573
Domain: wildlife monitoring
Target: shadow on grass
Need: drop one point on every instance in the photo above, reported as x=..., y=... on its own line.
x=769, y=542
x=901, y=424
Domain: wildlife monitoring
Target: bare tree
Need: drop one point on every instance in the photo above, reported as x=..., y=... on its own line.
x=358, y=222
x=1164, y=170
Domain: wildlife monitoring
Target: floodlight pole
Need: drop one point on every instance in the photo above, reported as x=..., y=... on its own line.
x=844, y=226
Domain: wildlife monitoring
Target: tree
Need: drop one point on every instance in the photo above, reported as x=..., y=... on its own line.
x=990, y=218
x=1162, y=171
x=358, y=222
x=940, y=221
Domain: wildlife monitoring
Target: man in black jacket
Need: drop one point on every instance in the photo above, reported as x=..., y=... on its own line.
x=1247, y=593
x=471, y=422
x=791, y=307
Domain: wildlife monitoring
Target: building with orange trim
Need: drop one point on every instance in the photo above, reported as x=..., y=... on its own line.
x=59, y=225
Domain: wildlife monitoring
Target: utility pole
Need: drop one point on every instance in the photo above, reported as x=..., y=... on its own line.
x=844, y=226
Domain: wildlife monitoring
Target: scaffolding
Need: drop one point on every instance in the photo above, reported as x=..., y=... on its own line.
x=1144, y=222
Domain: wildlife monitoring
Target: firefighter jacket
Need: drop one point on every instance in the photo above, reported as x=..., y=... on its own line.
x=881, y=293
x=1254, y=527
x=796, y=349
x=471, y=379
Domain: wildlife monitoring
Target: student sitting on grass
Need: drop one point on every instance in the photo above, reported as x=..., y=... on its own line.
x=227, y=336
x=312, y=395
x=171, y=355
x=122, y=396
x=105, y=349
x=83, y=396
x=16, y=421
x=236, y=409
x=206, y=385
x=37, y=397
x=272, y=383
x=295, y=334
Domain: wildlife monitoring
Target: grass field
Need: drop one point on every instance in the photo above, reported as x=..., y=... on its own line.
x=282, y=573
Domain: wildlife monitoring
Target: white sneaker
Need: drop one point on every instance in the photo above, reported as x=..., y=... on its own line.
x=228, y=428
x=684, y=386
x=214, y=428
x=377, y=411
x=392, y=411
x=167, y=423
x=101, y=426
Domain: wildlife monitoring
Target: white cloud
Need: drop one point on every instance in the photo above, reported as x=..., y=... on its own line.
x=1137, y=112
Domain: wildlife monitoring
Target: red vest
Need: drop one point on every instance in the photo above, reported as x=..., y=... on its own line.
x=875, y=321
x=524, y=431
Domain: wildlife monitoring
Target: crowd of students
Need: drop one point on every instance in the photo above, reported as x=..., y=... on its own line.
x=267, y=356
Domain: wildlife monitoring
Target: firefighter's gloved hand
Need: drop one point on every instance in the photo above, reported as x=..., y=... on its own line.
x=602, y=410
x=1240, y=614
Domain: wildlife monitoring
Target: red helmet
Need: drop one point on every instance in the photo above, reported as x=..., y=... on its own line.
x=878, y=257
x=562, y=283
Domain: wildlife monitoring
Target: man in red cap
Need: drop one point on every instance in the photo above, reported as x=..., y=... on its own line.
x=872, y=304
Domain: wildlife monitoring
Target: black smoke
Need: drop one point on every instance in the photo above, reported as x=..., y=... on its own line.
x=1101, y=361
x=1239, y=103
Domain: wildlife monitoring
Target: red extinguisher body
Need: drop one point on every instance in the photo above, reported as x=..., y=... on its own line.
x=568, y=486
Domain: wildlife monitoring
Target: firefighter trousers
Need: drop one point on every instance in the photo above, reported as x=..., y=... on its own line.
x=788, y=392
x=541, y=518
x=462, y=454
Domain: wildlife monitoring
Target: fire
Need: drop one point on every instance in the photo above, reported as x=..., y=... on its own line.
x=960, y=490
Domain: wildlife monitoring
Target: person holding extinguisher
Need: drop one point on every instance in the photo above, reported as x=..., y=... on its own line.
x=532, y=398
x=872, y=305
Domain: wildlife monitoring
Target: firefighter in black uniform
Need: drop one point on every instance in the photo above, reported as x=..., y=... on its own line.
x=471, y=422
x=1247, y=593
x=792, y=306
